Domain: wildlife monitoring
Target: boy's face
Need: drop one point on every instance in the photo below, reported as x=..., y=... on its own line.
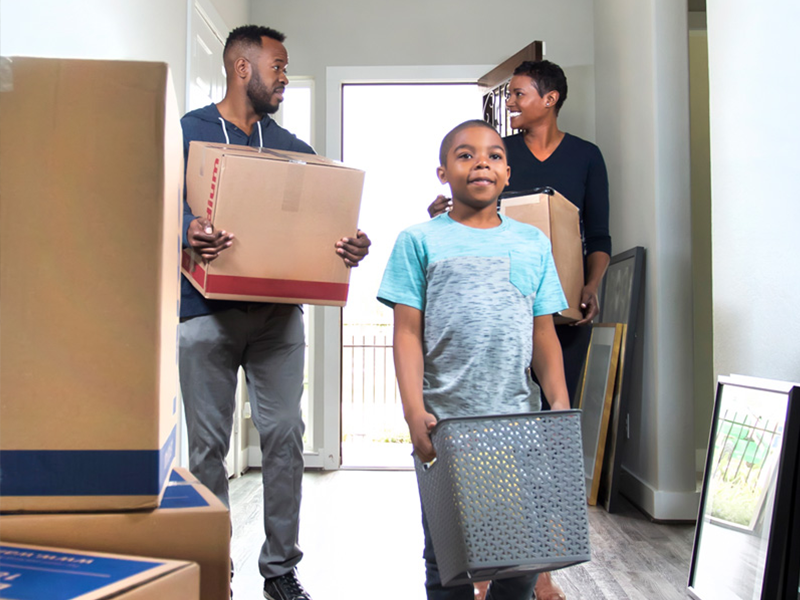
x=476, y=167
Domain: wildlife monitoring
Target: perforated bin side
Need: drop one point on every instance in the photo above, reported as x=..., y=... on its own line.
x=506, y=495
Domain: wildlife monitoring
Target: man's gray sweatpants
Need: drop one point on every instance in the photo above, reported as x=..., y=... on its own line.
x=268, y=341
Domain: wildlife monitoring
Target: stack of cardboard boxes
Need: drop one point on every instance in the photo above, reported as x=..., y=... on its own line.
x=90, y=213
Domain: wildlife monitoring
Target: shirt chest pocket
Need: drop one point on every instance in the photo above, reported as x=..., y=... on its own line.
x=524, y=273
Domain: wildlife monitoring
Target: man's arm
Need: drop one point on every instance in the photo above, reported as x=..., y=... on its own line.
x=548, y=362
x=408, y=365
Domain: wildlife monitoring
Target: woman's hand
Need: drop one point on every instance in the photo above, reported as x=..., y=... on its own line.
x=440, y=205
x=596, y=265
x=590, y=306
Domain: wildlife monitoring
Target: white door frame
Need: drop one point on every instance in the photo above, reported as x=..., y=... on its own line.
x=325, y=328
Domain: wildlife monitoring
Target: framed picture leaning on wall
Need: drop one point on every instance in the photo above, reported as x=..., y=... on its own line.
x=621, y=297
x=742, y=548
x=597, y=392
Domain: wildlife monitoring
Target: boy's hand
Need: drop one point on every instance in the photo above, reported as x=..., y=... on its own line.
x=560, y=404
x=353, y=250
x=420, y=426
x=205, y=241
x=440, y=205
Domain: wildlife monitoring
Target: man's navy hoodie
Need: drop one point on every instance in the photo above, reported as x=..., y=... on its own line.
x=207, y=125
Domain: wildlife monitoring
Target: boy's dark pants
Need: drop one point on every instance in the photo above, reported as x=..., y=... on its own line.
x=513, y=588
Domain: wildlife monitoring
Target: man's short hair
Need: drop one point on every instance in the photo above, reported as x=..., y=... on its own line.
x=547, y=77
x=250, y=35
x=447, y=142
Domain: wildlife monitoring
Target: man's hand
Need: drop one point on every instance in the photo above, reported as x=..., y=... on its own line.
x=205, y=241
x=440, y=205
x=590, y=306
x=420, y=425
x=353, y=250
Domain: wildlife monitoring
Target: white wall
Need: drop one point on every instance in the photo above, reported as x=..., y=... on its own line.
x=358, y=33
x=150, y=30
x=233, y=12
x=641, y=74
x=755, y=126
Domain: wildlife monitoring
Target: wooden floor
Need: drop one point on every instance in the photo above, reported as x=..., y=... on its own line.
x=362, y=540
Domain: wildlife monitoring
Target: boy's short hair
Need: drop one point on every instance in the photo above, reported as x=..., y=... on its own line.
x=547, y=77
x=447, y=142
x=250, y=35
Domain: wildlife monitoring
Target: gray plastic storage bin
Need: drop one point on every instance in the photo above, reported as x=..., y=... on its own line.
x=506, y=495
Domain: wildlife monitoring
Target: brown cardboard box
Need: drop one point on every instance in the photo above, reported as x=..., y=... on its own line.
x=90, y=210
x=191, y=525
x=42, y=573
x=558, y=218
x=286, y=209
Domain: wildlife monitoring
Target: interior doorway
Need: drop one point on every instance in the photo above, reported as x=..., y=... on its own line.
x=393, y=132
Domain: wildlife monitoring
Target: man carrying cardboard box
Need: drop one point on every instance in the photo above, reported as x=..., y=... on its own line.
x=267, y=340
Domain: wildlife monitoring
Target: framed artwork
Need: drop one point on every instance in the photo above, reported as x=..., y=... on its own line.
x=602, y=361
x=749, y=502
x=621, y=297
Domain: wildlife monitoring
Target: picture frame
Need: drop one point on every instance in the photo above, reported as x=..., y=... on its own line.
x=743, y=548
x=621, y=301
x=597, y=392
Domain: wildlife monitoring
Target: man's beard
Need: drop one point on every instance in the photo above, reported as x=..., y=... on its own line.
x=259, y=97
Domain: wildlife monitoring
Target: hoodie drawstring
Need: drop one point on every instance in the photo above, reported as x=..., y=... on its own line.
x=228, y=140
x=225, y=131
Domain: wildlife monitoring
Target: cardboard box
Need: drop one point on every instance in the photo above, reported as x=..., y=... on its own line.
x=191, y=524
x=41, y=573
x=90, y=211
x=286, y=209
x=559, y=219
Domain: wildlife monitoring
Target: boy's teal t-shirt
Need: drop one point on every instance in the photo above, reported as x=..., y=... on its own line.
x=479, y=290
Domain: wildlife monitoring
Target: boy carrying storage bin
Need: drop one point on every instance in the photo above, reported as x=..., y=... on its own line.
x=473, y=294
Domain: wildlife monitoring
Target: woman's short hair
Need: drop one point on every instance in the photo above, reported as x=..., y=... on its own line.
x=547, y=77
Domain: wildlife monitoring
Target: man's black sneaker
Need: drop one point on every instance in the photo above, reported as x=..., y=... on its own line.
x=285, y=587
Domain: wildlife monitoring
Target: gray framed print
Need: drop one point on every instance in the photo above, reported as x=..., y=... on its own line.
x=621, y=301
x=743, y=549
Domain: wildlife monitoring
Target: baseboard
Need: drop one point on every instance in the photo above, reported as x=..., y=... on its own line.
x=659, y=505
x=700, y=460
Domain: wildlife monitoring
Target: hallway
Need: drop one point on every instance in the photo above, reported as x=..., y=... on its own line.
x=360, y=532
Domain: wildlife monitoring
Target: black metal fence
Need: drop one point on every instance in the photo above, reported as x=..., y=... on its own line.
x=371, y=407
x=743, y=444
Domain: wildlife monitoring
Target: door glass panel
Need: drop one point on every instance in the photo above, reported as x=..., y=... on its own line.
x=393, y=132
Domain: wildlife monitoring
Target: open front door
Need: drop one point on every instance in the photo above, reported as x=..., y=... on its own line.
x=494, y=86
